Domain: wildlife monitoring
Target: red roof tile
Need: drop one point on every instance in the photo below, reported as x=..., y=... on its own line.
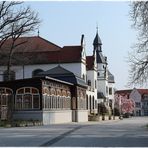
x=124, y=92
x=71, y=54
x=31, y=44
x=143, y=91
x=40, y=51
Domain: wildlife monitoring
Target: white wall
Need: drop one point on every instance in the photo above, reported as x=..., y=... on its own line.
x=47, y=117
x=82, y=116
x=136, y=96
x=92, y=75
x=55, y=117
x=77, y=68
x=102, y=84
x=101, y=70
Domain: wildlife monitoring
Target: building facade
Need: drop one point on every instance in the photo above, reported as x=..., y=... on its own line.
x=140, y=97
x=44, y=99
x=39, y=57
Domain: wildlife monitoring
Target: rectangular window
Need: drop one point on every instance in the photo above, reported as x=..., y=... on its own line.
x=106, y=89
x=4, y=100
x=95, y=84
x=27, y=100
x=110, y=90
x=36, y=101
x=18, y=103
x=89, y=82
x=137, y=104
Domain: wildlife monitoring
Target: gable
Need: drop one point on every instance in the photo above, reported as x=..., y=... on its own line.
x=135, y=95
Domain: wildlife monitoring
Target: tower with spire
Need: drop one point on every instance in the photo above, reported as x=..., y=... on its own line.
x=102, y=69
x=101, y=60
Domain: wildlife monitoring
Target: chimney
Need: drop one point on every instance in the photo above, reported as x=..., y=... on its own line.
x=82, y=39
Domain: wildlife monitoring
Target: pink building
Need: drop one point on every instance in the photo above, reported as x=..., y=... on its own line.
x=140, y=97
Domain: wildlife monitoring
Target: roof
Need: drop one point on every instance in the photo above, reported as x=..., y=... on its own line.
x=100, y=58
x=56, y=71
x=110, y=77
x=89, y=62
x=100, y=95
x=141, y=91
x=97, y=40
x=35, y=81
x=64, y=75
x=40, y=51
x=71, y=53
x=31, y=44
x=123, y=92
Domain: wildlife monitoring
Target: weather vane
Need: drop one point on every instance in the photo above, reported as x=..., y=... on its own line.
x=97, y=26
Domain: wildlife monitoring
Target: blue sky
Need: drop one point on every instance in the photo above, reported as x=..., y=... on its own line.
x=64, y=22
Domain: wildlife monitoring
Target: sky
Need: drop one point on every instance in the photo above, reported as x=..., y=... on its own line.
x=64, y=22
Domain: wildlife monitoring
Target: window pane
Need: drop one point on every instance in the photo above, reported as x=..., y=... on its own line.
x=8, y=91
x=110, y=91
x=35, y=101
x=18, y=103
x=4, y=100
x=27, y=90
x=27, y=101
x=34, y=91
x=20, y=91
x=2, y=90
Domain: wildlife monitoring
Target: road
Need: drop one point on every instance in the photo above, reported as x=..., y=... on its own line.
x=129, y=132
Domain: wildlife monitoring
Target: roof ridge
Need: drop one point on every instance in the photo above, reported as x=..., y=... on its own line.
x=72, y=46
x=49, y=41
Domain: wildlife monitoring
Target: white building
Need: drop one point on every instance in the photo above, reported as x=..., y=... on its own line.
x=39, y=55
x=105, y=80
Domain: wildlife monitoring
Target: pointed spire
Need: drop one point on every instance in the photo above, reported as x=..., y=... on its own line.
x=97, y=41
x=97, y=28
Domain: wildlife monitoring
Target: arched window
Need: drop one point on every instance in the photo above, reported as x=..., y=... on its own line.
x=27, y=98
x=98, y=74
x=9, y=75
x=36, y=72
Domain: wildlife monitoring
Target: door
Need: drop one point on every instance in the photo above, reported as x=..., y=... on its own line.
x=5, y=106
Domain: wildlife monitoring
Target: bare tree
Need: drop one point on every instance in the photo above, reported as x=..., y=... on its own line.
x=15, y=22
x=138, y=58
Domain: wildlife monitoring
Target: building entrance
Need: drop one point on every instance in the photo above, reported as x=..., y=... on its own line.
x=5, y=98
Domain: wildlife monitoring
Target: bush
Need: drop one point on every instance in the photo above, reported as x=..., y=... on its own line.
x=116, y=112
